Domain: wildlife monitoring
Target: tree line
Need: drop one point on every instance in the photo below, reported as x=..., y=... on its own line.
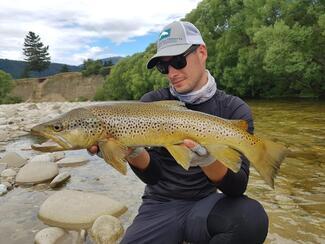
x=256, y=48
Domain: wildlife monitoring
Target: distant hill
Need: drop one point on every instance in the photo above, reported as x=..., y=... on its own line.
x=15, y=68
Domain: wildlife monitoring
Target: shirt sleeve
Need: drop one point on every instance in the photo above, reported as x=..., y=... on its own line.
x=235, y=184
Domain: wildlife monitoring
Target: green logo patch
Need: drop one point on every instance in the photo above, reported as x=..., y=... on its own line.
x=164, y=34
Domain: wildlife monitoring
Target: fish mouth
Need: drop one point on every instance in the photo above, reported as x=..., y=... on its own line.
x=55, y=143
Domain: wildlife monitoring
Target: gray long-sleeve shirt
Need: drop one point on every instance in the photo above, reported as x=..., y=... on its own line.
x=166, y=179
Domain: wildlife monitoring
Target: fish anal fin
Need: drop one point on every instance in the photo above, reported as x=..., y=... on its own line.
x=114, y=154
x=239, y=123
x=181, y=154
x=226, y=155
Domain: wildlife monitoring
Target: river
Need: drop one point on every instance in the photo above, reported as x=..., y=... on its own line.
x=296, y=207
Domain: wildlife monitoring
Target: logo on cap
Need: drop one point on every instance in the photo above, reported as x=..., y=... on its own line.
x=164, y=34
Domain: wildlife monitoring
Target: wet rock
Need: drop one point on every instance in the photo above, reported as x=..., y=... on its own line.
x=77, y=210
x=106, y=230
x=72, y=161
x=3, y=189
x=59, y=179
x=50, y=235
x=7, y=173
x=13, y=160
x=37, y=172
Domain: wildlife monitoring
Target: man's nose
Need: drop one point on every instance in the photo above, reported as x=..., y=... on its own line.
x=172, y=71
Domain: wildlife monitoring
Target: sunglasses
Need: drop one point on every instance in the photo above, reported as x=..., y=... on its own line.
x=177, y=62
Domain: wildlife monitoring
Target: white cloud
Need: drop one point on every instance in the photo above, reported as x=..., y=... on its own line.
x=70, y=27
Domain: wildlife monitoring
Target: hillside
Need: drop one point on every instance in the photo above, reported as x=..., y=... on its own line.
x=69, y=86
x=15, y=68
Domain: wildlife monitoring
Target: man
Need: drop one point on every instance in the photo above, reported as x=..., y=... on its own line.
x=180, y=205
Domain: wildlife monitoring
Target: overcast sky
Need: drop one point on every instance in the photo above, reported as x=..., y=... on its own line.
x=79, y=29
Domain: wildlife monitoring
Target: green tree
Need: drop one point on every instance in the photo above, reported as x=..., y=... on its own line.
x=64, y=68
x=91, y=67
x=36, y=53
x=6, y=84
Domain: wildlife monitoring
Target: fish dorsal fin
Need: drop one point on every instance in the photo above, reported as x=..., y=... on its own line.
x=171, y=104
x=226, y=155
x=114, y=154
x=181, y=154
x=240, y=123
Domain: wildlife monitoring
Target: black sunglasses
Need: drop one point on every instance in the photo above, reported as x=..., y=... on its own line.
x=178, y=62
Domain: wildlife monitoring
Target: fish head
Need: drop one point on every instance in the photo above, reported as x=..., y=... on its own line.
x=76, y=129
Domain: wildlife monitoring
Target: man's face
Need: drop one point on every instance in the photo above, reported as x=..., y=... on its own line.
x=193, y=76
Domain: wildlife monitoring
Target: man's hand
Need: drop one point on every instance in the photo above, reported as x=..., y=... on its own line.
x=201, y=157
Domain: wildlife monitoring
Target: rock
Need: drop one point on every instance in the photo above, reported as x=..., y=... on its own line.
x=106, y=230
x=37, y=172
x=50, y=235
x=42, y=158
x=7, y=173
x=13, y=160
x=59, y=179
x=3, y=166
x=2, y=148
x=57, y=156
x=3, y=189
x=77, y=210
x=72, y=161
x=8, y=185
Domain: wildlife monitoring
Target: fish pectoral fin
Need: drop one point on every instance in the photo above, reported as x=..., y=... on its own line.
x=114, y=154
x=242, y=124
x=226, y=155
x=181, y=154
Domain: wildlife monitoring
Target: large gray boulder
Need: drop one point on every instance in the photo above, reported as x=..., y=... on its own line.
x=37, y=172
x=75, y=210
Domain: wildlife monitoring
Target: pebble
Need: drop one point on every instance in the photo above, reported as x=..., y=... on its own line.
x=13, y=160
x=3, y=166
x=106, y=229
x=50, y=235
x=3, y=189
x=72, y=161
x=37, y=172
x=59, y=179
x=8, y=173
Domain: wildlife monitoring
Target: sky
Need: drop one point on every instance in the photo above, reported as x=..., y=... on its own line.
x=76, y=30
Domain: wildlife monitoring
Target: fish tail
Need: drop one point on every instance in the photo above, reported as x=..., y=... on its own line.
x=269, y=160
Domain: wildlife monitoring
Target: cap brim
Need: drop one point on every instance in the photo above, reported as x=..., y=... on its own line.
x=168, y=51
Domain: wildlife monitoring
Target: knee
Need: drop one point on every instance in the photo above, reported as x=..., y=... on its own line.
x=255, y=222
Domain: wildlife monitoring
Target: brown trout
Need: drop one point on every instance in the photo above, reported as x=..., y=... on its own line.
x=116, y=126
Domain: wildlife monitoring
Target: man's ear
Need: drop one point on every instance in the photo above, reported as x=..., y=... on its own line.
x=203, y=53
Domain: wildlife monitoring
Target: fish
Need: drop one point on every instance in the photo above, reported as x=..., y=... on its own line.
x=115, y=127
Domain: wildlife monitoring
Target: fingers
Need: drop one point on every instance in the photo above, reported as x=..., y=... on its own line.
x=195, y=147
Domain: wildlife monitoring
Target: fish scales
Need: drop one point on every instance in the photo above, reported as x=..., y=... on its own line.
x=116, y=126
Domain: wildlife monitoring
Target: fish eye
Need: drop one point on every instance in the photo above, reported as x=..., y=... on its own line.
x=57, y=127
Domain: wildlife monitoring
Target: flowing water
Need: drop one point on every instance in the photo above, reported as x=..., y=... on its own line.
x=296, y=207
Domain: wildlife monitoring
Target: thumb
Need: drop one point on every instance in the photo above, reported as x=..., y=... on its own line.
x=195, y=147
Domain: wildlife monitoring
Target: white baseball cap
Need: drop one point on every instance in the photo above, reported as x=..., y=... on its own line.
x=175, y=39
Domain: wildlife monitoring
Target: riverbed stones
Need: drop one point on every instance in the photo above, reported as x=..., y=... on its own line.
x=50, y=235
x=3, y=189
x=41, y=158
x=37, y=172
x=59, y=179
x=3, y=166
x=75, y=210
x=106, y=230
x=13, y=160
x=8, y=173
x=72, y=161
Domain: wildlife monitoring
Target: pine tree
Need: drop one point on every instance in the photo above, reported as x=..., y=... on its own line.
x=36, y=53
